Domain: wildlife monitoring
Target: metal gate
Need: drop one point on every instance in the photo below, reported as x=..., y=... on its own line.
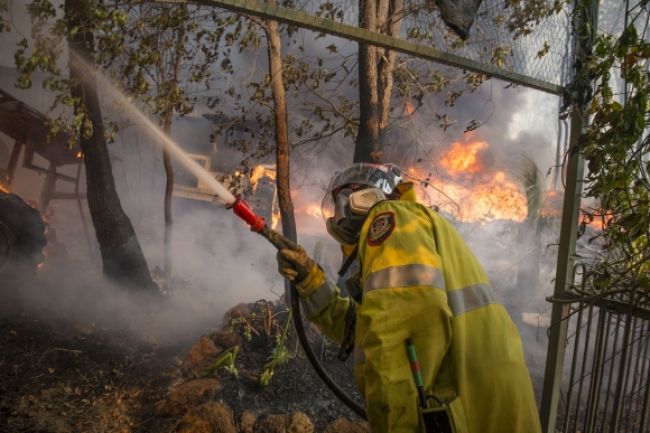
x=606, y=386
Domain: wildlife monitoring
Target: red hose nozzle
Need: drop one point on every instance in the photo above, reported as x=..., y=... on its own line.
x=244, y=211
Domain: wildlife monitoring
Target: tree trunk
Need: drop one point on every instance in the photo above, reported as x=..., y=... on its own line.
x=169, y=189
x=122, y=256
x=170, y=84
x=367, y=147
x=281, y=133
x=376, y=66
x=387, y=58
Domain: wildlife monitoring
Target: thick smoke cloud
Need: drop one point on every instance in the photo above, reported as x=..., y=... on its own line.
x=217, y=264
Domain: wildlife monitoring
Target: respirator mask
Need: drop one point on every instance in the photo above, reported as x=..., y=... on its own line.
x=350, y=211
x=351, y=195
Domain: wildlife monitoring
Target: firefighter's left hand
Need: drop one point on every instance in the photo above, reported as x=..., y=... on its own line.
x=294, y=263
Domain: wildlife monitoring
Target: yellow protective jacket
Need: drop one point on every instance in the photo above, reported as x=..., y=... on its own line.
x=420, y=280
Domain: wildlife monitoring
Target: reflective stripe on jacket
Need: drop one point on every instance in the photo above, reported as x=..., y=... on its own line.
x=423, y=282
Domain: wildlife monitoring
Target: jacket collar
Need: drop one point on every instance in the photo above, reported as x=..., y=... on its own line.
x=407, y=191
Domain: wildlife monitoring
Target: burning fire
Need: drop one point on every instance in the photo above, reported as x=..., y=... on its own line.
x=554, y=202
x=275, y=218
x=463, y=158
x=599, y=221
x=315, y=210
x=467, y=189
x=464, y=186
x=260, y=171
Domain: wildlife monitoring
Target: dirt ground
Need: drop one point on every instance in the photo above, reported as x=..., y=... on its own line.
x=57, y=376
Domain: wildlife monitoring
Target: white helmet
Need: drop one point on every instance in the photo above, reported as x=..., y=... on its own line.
x=385, y=177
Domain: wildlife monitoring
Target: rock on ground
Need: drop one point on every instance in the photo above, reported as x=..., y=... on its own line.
x=296, y=422
x=344, y=425
x=210, y=417
x=183, y=396
x=247, y=422
x=200, y=356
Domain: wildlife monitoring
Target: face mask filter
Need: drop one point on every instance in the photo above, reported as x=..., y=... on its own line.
x=362, y=201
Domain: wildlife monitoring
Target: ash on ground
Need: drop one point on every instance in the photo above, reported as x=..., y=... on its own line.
x=246, y=374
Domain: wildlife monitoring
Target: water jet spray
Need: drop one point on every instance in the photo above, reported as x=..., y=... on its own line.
x=236, y=203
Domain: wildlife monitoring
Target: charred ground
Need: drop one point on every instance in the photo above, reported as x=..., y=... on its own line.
x=58, y=375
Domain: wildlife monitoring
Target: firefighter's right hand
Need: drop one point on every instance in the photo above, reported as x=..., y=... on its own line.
x=294, y=263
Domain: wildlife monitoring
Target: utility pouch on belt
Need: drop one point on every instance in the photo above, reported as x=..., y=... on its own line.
x=437, y=419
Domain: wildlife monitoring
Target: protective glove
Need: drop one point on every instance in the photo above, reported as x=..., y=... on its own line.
x=294, y=263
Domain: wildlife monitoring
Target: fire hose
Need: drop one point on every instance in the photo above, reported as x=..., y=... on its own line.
x=258, y=225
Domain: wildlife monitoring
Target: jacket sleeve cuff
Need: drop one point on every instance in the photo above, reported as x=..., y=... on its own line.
x=311, y=282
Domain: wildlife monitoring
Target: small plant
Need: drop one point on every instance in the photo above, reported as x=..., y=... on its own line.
x=261, y=324
x=244, y=326
x=227, y=361
x=279, y=355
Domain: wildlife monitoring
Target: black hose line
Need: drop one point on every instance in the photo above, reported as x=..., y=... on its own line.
x=280, y=242
x=313, y=359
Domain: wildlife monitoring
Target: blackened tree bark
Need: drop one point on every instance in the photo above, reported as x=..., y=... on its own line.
x=281, y=133
x=376, y=66
x=122, y=256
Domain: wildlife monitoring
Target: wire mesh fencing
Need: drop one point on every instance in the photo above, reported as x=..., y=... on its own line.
x=529, y=38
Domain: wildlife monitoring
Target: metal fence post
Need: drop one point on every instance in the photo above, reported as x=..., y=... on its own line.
x=585, y=24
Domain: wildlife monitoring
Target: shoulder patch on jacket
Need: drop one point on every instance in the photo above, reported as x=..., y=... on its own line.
x=381, y=227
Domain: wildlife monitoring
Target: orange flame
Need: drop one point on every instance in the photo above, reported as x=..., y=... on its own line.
x=316, y=210
x=260, y=171
x=489, y=196
x=553, y=204
x=599, y=221
x=275, y=219
x=463, y=158
x=496, y=198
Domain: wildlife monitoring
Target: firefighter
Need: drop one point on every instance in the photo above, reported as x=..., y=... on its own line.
x=415, y=279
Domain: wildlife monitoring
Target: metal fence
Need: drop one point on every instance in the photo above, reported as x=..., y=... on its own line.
x=598, y=361
x=536, y=54
x=538, y=48
x=606, y=380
